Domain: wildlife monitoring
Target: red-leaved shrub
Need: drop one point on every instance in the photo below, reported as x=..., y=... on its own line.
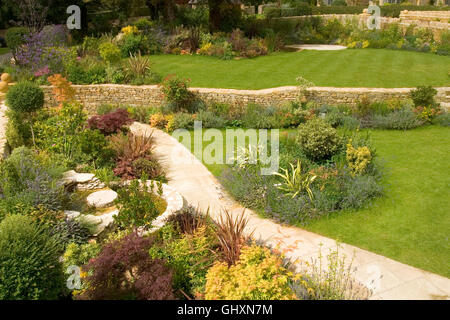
x=110, y=123
x=124, y=270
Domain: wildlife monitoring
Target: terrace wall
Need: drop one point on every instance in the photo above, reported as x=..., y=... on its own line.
x=94, y=95
x=436, y=21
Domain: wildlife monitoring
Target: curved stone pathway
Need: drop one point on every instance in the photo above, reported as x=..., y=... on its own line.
x=391, y=279
x=3, y=124
x=319, y=47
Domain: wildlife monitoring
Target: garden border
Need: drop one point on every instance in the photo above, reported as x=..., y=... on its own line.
x=94, y=95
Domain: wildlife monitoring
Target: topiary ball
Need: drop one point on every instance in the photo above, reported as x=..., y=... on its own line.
x=25, y=97
x=318, y=139
x=6, y=77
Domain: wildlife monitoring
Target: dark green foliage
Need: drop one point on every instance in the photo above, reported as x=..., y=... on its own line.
x=25, y=97
x=423, y=96
x=15, y=37
x=28, y=182
x=132, y=44
x=68, y=231
x=178, y=96
x=29, y=262
x=137, y=206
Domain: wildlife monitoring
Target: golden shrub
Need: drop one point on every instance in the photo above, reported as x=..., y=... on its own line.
x=259, y=274
x=358, y=158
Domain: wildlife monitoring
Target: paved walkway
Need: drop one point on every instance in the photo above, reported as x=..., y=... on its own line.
x=320, y=47
x=391, y=279
x=3, y=124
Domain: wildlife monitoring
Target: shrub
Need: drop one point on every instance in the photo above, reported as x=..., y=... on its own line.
x=423, y=96
x=189, y=257
x=158, y=120
x=180, y=121
x=148, y=167
x=330, y=279
x=296, y=182
x=143, y=24
x=25, y=97
x=15, y=37
x=131, y=44
x=124, y=270
x=109, y=52
x=178, y=95
x=70, y=231
x=230, y=232
x=62, y=89
x=258, y=275
x=80, y=254
x=128, y=149
x=358, y=158
x=137, y=206
x=359, y=190
x=187, y=220
x=41, y=214
x=138, y=65
x=443, y=119
x=64, y=133
x=113, y=122
x=29, y=261
x=210, y=120
x=130, y=30
x=402, y=119
x=92, y=74
x=318, y=139
x=30, y=181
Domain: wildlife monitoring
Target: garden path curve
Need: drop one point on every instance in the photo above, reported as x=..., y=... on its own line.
x=390, y=279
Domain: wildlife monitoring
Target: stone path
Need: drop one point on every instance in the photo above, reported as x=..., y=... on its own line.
x=320, y=47
x=3, y=124
x=391, y=279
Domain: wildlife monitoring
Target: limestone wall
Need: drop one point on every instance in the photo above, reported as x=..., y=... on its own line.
x=94, y=95
x=443, y=16
x=436, y=21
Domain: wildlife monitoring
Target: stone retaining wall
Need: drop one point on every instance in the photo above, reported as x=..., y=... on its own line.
x=425, y=15
x=405, y=20
x=94, y=95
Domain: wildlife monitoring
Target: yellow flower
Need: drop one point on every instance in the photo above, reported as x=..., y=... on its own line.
x=130, y=30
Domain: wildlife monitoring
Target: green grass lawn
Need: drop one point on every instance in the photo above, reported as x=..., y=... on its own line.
x=411, y=224
x=347, y=68
x=4, y=50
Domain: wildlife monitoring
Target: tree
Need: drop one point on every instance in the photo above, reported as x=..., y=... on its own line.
x=224, y=15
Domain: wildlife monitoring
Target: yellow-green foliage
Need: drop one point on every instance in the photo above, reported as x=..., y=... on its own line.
x=358, y=158
x=189, y=256
x=109, y=52
x=80, y=254
x=130, y=30
x=258, y=274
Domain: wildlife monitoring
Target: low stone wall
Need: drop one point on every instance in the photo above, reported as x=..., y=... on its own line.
x=94, y=95
x=443, y=16
x=405, y=20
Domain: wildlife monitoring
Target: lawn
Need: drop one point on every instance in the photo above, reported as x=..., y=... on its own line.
x=411, y=223
x=346, y=68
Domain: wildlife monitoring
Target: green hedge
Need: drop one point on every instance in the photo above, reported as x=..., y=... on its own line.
x=386, y=11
